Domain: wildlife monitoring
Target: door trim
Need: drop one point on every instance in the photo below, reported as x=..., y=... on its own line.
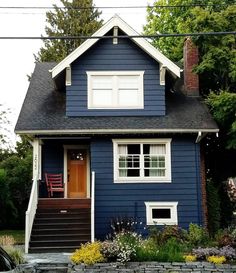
x=68, y=147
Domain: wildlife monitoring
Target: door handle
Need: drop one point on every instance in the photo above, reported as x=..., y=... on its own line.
x=68, y=176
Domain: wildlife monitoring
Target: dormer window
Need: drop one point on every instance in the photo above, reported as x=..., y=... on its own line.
x=115, y=89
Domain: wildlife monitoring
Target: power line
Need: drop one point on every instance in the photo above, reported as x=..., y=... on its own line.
x=119, y=37
x=120, y=7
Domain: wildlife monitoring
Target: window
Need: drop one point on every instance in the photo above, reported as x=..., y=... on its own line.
x=115, y=89
x=142, y=160
x=161, y=213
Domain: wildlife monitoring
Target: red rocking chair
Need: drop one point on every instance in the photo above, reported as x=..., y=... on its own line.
x=54, y=183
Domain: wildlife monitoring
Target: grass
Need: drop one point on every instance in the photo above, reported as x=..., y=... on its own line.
x=19, y=235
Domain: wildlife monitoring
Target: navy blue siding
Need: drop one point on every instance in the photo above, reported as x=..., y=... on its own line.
x=113, y=200
x=104, y=56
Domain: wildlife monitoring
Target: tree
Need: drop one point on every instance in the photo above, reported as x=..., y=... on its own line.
x=79, y=17
x=223, y=108
x=15, y=185
x=217, y=66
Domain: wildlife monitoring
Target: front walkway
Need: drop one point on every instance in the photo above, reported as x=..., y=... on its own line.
x=47, y=258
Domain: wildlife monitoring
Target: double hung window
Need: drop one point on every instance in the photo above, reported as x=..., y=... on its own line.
x=147, y=160
x=115, y=89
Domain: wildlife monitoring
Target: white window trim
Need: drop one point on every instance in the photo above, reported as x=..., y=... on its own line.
x=161, y=205
x=166, y=179
x=114, y=73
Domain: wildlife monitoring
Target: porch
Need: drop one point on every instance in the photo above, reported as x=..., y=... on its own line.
x=60, y=221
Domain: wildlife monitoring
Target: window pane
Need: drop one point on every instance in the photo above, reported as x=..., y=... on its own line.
x=133, y=172
x=102, y=98
x=128, y=97
x=102, y=82
x=133, y=149
x=161, y=213
x=128, y=82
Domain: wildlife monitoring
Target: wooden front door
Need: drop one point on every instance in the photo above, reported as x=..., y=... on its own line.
x=77, y=173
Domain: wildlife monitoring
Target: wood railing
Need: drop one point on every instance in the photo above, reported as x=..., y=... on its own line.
x=93, y=207
x=30, y=213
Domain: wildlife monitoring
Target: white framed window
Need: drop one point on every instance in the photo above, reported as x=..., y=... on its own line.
x=161, y=213
x=115, y=89
x=142, y=160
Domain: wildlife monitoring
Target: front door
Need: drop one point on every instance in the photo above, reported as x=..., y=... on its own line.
x=76, y=173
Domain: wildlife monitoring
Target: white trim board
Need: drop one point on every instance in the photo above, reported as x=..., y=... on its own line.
x=112, y=131
x=116, y=21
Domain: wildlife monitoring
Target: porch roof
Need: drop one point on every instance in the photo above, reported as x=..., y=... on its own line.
x=43, y=111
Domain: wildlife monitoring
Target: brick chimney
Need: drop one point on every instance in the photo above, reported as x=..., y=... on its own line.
x=191, y=80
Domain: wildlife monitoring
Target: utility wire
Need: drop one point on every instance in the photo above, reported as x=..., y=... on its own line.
x=119, y=37
x=121, y=7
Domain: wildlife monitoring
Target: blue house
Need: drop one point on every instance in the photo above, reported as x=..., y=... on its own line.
x=115, y=123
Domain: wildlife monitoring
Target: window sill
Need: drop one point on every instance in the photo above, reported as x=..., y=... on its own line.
x=141, y=181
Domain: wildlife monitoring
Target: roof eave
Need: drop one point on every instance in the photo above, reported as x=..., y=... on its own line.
x=117, y=21
x=114, y=131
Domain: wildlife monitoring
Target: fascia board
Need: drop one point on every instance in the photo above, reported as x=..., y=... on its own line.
x=141, y=42
x=82, y=48
x=115, y=131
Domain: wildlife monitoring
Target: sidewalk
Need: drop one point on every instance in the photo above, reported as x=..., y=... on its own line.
x=54, y=258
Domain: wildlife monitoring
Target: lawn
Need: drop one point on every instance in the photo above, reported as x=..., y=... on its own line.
x=19, y=235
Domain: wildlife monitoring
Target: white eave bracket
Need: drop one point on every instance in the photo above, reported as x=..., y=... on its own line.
x=162, y=74
x=68, y=76
x=200, y=136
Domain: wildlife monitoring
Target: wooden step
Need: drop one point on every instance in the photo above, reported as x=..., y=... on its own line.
x=56, y=237
x=54, y=249
x=78, y=219
x=63, y=203
x=58, y=243
x=62, y=231
x=62, y=213
x=61, y=225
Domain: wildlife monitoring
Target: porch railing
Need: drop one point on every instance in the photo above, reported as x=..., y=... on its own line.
x=30, y=213
x=93, y=207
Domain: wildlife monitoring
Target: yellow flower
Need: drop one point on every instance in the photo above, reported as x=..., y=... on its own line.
x=88, y=253
x=190, y=258
x=216, y=259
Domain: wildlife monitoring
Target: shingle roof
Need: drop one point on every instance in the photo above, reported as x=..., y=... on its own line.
x=44, y=110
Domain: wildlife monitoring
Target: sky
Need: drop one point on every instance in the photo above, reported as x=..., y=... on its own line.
x=17, y=56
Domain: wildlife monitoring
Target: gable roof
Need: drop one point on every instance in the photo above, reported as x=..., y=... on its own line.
x=43, y=112
x=116, y=21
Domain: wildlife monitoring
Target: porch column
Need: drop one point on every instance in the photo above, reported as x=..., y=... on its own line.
x=37, y=156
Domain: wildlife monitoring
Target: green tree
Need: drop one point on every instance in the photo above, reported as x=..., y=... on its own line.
x=223, y=108
x=217, y=65
x=79, y=17
x=15, y=184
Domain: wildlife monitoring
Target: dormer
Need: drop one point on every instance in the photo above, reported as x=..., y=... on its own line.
x=112, y=75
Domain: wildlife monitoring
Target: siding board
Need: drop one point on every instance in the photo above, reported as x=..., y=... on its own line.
x=114, y=200
x=105, y=56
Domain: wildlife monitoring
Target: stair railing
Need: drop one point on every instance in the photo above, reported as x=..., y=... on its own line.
x=30, y=213
x=93, y=207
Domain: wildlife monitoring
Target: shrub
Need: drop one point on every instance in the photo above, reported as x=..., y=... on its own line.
x=147, y=251
x=123, y=224
x=171, y=251
x=110, y=250
x=160, y=236
x=190, y=258
x=227, y=251
x=7, y=240
x=16, y=254
x=197, y=235
x=216, y=259
x=88, y=253
x=227, y=237
x=128, y=243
